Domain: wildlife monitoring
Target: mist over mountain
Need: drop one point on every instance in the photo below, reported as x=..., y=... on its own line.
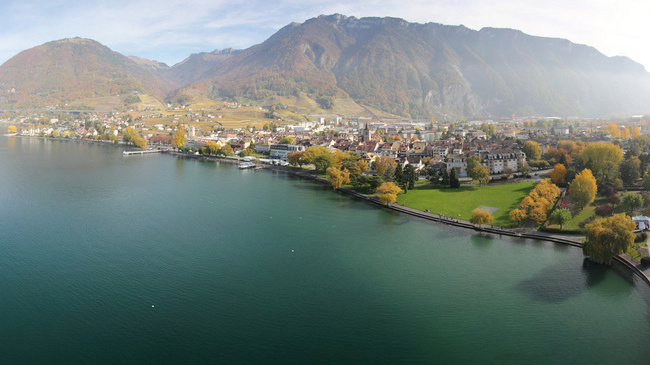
x=409, y=69
x=420, y=70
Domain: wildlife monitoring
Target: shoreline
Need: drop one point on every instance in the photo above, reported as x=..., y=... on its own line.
x=622, y=260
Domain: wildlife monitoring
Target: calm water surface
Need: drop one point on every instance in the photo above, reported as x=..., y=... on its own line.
x=108, y=259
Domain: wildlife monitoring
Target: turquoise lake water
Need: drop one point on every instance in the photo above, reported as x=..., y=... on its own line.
x=107, y=259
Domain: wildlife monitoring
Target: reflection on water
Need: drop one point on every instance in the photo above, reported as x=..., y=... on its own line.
x=550, y=286
x=481, y=240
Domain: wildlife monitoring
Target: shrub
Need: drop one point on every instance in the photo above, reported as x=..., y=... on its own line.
x=604, y=210
x=645, y=261
x=641, y=237
x=613, y=199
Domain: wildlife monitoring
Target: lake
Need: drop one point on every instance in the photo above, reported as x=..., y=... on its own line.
x=108, y=259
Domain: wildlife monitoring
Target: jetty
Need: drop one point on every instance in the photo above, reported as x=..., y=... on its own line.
x=140, y=152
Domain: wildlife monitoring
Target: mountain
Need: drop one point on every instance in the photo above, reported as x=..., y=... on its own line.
x=67, y=70
x=420, y=70
x=197, y=65
x=408, y=69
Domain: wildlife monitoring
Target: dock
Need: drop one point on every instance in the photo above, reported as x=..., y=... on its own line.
x=141, y=152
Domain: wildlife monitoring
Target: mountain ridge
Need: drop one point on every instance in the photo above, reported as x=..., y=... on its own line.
x=416, y=70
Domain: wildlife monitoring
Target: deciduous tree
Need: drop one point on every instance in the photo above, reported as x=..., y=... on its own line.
x=337, y=177
x=630, y=169
x=179, y=137
x=608, y=237
x=481, y=216
x=387, y=192
x=560, y=216
x=558, y=174
x=632, y=201
x=532, y=150
x=582, y=190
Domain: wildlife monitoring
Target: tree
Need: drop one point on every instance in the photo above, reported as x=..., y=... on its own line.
x=538, y=213
x=128, y=134
x=603, y=159
x=632, y=201
x=454, y=182
x=387, y=192
x=12, y=129
x=384, y=167
x=179, y=137
x=558, y=174
x=482, y=174
x=211, y=148
x=398, y=176
x=582, y=190
x=630, y=169
x=295, y=159
x=472, y=161
x=139, y=141
x=518, y=215
x=287, y=140
x=226, y=150
x=319, y=156
x=608, y=237
x=337, y=177
x=561, y=216
x=481, y=216
x=532, y=150
x=523, y=168
x=410, y=177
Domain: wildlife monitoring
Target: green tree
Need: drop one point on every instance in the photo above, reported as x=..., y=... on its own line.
x=632, y=201
x=398, y=176
x=287, y=140
x=603, y=159
x=410, y=176
x=532, y=150
x=560, y=216
x=226, y=150
x=630, y=169
x=454, y=182
x=582, y=190
x=608, y=237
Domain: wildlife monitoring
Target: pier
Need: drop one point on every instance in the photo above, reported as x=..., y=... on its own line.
x=141, y=152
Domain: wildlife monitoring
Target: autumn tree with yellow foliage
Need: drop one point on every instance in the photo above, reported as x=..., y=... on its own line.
x=337, y=177
x=608, y=237
x=387, y=192
x=558, y=174
x=481, y=216
x=535, y=205
x=582, y=190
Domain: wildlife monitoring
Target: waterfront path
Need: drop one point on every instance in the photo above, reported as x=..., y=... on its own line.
x=568, y=239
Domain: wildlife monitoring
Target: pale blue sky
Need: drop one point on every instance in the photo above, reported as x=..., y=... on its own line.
x=170, y=30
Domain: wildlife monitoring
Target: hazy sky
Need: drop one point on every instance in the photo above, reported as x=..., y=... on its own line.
x=170, y=30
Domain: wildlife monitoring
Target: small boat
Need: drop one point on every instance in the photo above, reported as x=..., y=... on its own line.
x=246, y=165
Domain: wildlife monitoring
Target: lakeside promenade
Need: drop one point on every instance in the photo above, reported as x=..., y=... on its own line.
x=624, y=260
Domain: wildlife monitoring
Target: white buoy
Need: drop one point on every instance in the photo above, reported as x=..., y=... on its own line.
x=291, y=250
x=152, y=306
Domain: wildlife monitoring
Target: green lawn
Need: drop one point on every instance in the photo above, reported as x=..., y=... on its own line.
x=459, y=203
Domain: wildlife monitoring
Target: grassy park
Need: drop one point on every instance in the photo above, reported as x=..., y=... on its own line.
x=459, y=203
